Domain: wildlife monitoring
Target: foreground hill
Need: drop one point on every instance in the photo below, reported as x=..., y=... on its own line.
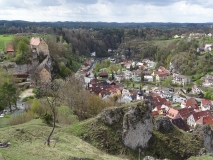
x=132, y=131
x=127, y=132
x=27, y=143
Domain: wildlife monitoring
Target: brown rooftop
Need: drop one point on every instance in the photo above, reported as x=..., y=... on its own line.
x=34, y=41
x=10, y=48
x=198, y=115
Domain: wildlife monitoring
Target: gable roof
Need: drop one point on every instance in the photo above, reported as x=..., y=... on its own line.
x=158, y=100
x=205, y=120
x=161, y=74
x=198, y=115
x=206, y=102
x=192, y=103
x=103, y=74
x=35, y=41
x=180, y=123
x=185, y=112
x=172, y=113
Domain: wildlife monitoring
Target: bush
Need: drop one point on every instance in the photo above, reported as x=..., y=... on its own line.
x=20, y=80
x=47, y=118
x=36, y=108
x=66, y=116
x=34, y=90
x=27, y=98
x=20, y=118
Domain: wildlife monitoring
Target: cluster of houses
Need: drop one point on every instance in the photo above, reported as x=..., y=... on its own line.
x=107, y=90
x=145, y=67
x=193, y=35
x=190, y=113
x=185, y=117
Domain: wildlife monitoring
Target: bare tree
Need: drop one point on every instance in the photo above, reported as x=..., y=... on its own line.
x=51, y=91
x=75, y=96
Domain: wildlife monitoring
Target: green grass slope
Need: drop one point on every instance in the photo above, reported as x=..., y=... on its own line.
x=4, y=40
x=204, y=157
x=27, y=142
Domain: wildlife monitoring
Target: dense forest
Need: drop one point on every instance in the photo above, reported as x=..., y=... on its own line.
x=71, y=42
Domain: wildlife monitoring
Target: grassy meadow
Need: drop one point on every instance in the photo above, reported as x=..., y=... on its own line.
x=27, y=142
x=4, y=40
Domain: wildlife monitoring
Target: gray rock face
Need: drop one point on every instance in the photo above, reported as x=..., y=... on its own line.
x=163, y=123
x=111, y=116
x=205, y=133
x=137, y=126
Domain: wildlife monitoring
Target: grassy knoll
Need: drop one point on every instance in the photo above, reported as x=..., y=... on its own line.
x=4, y=121
x=27, y=142
x=165, y=43
x=4, y=40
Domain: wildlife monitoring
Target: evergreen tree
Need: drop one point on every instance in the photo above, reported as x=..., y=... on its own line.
x=131, y=68
x=113, y=77
x=142, y=77
x=8, y=95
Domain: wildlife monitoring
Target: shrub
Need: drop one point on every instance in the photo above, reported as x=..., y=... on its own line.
x=27, y=98
x=20, y=118
x=36, y=109
x=66, y=116
x=34, y=90
x=47, y=118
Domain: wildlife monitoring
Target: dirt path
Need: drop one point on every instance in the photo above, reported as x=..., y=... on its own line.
x=26, y=93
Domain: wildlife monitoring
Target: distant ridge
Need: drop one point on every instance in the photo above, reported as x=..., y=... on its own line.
x=88, y=25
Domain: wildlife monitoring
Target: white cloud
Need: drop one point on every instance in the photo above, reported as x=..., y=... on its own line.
x=108, y=10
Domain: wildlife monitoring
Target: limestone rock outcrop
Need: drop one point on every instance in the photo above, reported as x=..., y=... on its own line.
x=135, y=121
x=205, y=134
x=111, y=116
x=162, y=124
x=137, y=126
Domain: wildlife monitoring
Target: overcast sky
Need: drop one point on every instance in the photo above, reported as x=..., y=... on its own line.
x=108, y=10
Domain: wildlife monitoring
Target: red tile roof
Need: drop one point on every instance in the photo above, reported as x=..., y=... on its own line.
x=198, y=115
x=10, y=48
x=186, y=112
x=161, y=74
x=206, y=102
x=155, y=113
x=192, y=103
x=205, y=120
